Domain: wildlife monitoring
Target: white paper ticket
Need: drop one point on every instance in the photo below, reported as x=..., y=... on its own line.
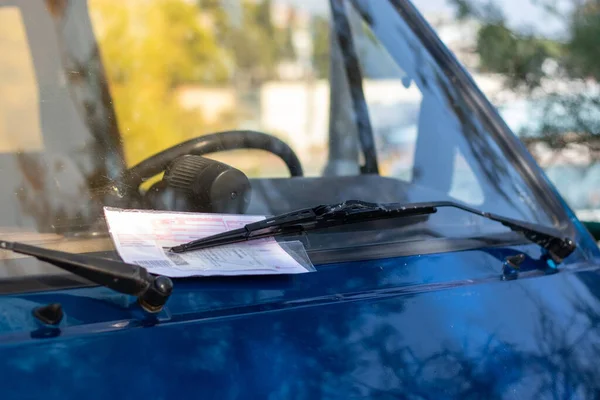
x=142, y=237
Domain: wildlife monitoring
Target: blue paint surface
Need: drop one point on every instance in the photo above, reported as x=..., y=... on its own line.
x=436, y=326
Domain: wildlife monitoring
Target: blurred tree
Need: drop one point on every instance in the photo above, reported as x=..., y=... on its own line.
x=583, y=48
x=148, y=49
x=321, y=46
x=527, y=60
x=152, y=48
x=262, y=16
x=519, y=58
x=247, y=31
x=285, y=44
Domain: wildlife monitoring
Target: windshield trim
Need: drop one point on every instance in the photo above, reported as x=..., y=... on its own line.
x=377, y=251
x=356, y=255
x=42, y=283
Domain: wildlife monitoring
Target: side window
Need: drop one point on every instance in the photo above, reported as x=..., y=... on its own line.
x=395, y=104
x=464, y=186
x=539, y=67
x=19, y=103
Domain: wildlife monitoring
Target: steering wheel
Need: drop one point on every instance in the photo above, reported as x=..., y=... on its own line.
x=221, y=141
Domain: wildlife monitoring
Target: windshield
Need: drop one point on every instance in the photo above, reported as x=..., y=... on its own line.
x=92, y=88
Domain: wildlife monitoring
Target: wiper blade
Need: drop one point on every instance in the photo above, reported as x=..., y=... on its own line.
x=354, y=211
x=151, y=291
x=308, y=219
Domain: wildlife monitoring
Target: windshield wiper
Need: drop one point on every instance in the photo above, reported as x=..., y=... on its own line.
x=354, y=211
x=151, y=291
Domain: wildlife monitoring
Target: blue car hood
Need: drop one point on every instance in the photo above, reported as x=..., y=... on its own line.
x=436, y=326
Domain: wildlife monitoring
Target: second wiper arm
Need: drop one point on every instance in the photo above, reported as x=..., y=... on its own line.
x=353, y=211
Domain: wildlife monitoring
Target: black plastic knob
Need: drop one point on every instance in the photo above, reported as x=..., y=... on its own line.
x=209, y=185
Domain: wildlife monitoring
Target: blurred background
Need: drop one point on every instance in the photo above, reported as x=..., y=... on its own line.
x=538, y=61
x=177, y=69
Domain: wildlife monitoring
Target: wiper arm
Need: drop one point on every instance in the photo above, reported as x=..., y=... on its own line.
x=353, y=211
x=151, y=291
x=308, y=219
x=557, y=246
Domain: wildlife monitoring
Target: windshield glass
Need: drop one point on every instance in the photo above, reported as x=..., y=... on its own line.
x=92, y=88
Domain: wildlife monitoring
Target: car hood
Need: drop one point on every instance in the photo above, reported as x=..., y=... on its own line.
x=436, y=326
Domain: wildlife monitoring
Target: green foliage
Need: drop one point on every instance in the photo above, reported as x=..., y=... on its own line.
x=152, y=48
x=321, y=46
x=520, y=58
x=148, y=49
x=568, y=118
x=584, y=47
x=162, y=38
x=255, y=44
x=464, y=8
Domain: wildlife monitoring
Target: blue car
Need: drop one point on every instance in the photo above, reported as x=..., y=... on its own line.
x=446, y=265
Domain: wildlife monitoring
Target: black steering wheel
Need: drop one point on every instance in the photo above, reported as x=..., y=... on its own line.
x=221, y=141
